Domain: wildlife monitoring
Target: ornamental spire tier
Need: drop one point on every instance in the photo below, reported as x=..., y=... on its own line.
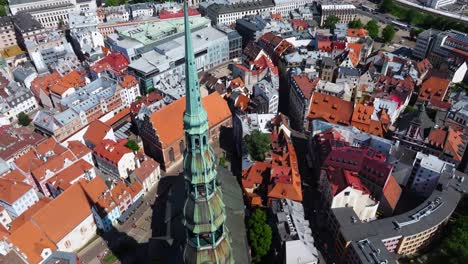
x=208, y=239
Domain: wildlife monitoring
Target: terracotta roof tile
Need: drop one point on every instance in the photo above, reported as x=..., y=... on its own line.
x=168, y=121
x=69, y=175
x=306, y=85
x=58, y=217
x=392, y=192
x=123, y=114
x=255, y=174
x=31, y=241
x=357, y=32
x=437, y=137
x=128, y=81
x=331, y=109
x=111, y=150
x=17, y=140
x=53, y=164
x=58, y=84
x=135, y=188
x=48, y=145
x=10, y=191
x=15, y=175
x=242, y=102
x=99, y=194
x=145, y=100
x=79, y=149
x=434, y=88
x=115, y=61
x=96, y=132
x=146, y=168
x=454, y=144
x=26, y=215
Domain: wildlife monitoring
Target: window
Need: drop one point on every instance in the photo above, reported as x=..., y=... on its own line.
x=68, y=244
x=346, y=194
x=171, y=154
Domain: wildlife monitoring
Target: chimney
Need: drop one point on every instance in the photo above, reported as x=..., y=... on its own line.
x=137, y=162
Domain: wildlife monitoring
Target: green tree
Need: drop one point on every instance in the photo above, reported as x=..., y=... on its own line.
x=23, y=119
x=357, y=23
x=409, y=15
x=259, y=235
x=373, y=29
x=388, y=33
x=330, y=22
x=257, y=144
x=414, y=32
x=386, y=6
x=132, y=144
x=3, y=10
x=455, y=245
x=112, y=2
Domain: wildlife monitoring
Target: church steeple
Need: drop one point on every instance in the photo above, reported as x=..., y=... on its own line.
x=194, y=115
x=208, y=239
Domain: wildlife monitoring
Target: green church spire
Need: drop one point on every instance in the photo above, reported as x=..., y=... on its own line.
x=208, y=239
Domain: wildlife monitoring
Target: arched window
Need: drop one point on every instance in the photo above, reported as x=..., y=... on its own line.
x=171, y=154
x=181, y=146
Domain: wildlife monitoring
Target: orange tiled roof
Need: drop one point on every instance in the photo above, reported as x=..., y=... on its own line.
x=242, y=101
x=120, y=192
x=53, y=164
x=146, y=168
x=117, y=117
x=135, y=188
x=355, y=52
x=96, y=132
x=361, y=119
x=58, y=84
x=64, y=213
x=357, y=32
x=255, y=174
x=237, y=82
x=31, y=241
x=331, y=109
x=454, y=143
x=10, y=191
x=64, y=178
x=437, y=137
x=392, y=192
x=290, y=189
x=26, y=215
x=78, y=148
x=423, y=66
x=50, y=144
x=15, y=175
x=433, y=88
x=28, y=162
x=111, y=150
x=168, y=123
x=306, y=85
x=128, y=81
x=97, y=192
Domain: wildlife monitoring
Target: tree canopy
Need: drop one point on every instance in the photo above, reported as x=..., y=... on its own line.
x=23, y=119
x=357, y=23
x=373, y=29
x=330, y=22
x=455, y=245
x=386, y=6
x=388, y=33
x=132, y=144
x=259, y=235
x=257, y=144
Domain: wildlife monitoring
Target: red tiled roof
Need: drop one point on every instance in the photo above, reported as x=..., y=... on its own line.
x=115, y=61
x=423, y=66
x=10, y=191
x=146, y=168
x=122, y=114
x=434, y=88
x=454, y=144
x=97, y=192
x=242, y=101
x=145, y=100
x=69, y=175
x=392, y=192
x=111, y=150
x=128, y=81
x=16, y=140
x=63, y=214
x=255, y=174
x=299, y=24
x=78, y=148
x=26, y=215
x=58, y=84
x=341, y=179
x=306, y=85
x=168, y=123
x=15, y=175
x=53, y=164
x=96, y=132
x=31, y=241
x=165, y=14
x=357, y=32
x=361, y=119
x=48, y=145
x=331, y=109
x=437, y=137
